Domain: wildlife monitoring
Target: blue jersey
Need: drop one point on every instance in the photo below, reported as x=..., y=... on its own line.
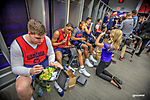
x=89, y=35
x=79, y=33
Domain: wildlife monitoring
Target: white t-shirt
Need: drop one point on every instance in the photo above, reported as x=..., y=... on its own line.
x=17, y=61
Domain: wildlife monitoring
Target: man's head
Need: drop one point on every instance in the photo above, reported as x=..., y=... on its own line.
x=68, y=28
x=134, y=13
x=82, y=25
x=107, y=14
x=122, y=18
x=129, y=15
x=36, y=31
x=99, y=20
x=88, y=20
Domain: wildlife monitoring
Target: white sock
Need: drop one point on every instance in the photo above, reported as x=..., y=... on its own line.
x=82, y=66
x=86, y=59
x=91, y=56
x=32, y=98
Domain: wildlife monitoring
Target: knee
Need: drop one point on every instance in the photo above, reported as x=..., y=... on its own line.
x=80, y=53
x=90, y=45
x=58, y=56
x=21, y=89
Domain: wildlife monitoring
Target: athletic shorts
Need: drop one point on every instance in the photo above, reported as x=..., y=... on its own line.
x=78, y=44
x=63, y=51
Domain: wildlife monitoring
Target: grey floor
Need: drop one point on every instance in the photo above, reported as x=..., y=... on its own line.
x=135, y=76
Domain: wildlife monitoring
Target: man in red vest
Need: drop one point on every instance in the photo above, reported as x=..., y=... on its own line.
x=30, y=53
x=61, y=41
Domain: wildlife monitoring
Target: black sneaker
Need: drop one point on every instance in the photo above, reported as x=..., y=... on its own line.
x=117, y=83
x=117, y=80
x=137, y=54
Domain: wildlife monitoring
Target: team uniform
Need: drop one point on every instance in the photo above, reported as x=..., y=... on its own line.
x=77, y=34
x=60, y=47
x=98, y=27
x=89, y=36
x=25, y=55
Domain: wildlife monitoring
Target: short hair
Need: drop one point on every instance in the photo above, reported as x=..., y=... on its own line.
x=98, y=20
x=82, y=22
x=36, y=27
x=69, y=25
x=88, y=18
x=134, y=11
x=123, y=17
x=128, y=14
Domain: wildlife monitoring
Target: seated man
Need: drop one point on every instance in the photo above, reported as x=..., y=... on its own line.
x=98, y=32
x=29, y=54
x=90, y=38
x=61, y=41
x=79, y=41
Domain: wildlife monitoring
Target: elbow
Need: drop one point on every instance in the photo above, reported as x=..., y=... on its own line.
x=96, y=43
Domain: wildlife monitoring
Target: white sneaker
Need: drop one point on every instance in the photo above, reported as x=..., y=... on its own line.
x=87, y=62
x=91, y=58
x=32, y=98
x=83, y=70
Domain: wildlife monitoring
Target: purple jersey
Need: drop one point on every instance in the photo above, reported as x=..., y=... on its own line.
x=106, y=53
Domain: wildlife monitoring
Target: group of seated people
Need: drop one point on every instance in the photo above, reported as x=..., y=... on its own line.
x=33, y=52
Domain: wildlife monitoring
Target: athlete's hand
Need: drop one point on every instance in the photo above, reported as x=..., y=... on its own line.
x=64, y=41
x=83, y=39
x=36, y=69
x=56, y=64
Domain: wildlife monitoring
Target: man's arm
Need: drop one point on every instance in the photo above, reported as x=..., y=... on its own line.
x=55, y=37
x=50, y=53
x=88, y=31
x=73, y=36
x=17, y=63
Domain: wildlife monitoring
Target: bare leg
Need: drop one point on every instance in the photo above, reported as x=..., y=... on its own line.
x=80, y=58
x=23, y=87
x=85, y=47
x=58, y=55
x=90, y=48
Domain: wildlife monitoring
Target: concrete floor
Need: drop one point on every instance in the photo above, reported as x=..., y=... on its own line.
x=135, y=76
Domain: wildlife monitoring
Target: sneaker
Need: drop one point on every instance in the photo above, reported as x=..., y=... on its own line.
x=137, y=54
x=59, y=89
x=91, y=58
x=83, y=70
x=121, y=58
x=87, y=62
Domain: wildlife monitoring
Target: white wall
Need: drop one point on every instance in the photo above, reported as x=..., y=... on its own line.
x=129, y=5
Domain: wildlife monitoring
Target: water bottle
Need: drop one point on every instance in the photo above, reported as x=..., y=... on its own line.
x=40, y=92
x=48, y=86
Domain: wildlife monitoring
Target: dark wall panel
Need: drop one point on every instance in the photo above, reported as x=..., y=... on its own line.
x=13, y=19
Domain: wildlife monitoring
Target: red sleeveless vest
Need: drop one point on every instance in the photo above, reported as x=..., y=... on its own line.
x=32, y=56
x=61, y=38
x=99, y=28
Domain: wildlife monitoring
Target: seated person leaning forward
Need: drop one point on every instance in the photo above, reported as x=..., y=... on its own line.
x=79, y=41
x=60, y=43
x=107, y=50
x=29, y=54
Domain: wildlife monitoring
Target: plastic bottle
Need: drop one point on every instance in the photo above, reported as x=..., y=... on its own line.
x=40, y=92
x=48, y=86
